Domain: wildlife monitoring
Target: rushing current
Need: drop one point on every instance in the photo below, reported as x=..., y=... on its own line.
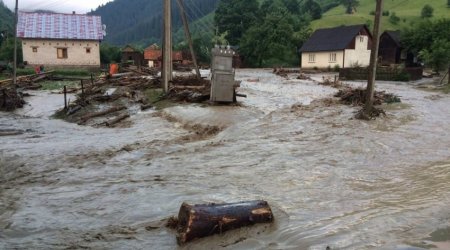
x=331, y=180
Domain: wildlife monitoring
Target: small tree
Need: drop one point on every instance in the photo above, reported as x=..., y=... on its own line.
x=350, y=5
x=394, y=19
x=427, y=11
x=437, y=56
x=448, y=3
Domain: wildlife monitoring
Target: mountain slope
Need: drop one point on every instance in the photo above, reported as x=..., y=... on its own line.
x=6, y=18
x=140, y=21
x=407, y=10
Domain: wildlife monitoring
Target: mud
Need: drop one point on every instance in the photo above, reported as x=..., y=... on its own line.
x=331, y=180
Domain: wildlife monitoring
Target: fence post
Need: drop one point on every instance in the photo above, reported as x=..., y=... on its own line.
x=82, y=89
x=65, y=97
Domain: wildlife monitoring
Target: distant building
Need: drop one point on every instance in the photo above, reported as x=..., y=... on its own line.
x=131, y=54
x=153, y=55
x=392, y=52
x=390, y=49
x=60, y=40
x=344, y=46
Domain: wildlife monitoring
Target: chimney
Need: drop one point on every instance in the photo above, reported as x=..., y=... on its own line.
x=73, y=13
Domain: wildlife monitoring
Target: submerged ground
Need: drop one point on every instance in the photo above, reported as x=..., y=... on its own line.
x=332, y=180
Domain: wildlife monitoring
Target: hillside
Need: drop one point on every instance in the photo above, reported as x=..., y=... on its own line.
x=407, y=10
x=6, y=18
x=140, y=21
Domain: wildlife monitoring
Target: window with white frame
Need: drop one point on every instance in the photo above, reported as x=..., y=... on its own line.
x=312, y=58
x=361, y=39
x=332, y=57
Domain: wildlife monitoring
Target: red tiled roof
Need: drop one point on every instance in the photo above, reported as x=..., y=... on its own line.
x=155, y=55
x=59, y=26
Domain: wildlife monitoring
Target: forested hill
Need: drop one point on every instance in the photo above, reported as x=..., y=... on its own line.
x=6, y=18
x=140, y=21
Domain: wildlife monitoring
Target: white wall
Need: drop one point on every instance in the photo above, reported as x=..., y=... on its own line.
x=322, y=59
x=360, y=55
x=46, y=52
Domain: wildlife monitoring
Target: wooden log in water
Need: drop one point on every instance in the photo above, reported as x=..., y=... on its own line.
x=198, y=221
x=102, y=113
x=117, y=120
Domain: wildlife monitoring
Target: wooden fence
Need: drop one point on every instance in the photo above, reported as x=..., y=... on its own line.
x=383, y=74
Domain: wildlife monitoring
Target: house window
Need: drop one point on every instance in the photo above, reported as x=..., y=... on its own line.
x=34, y=49
x=312, y=58
x=88, y=50
x=361, y=39
x=332, y=57
x=62, y=53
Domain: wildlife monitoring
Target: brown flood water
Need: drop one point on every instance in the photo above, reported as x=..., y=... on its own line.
x=332, y=181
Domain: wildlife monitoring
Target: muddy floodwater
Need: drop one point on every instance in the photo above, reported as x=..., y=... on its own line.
x=331, y=180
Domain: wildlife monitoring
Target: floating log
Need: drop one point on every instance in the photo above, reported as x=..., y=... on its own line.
x=102, y=113
x=146, y=106
x=117, y=120
x=198, y=221
x=73, y=110
x=10, y=132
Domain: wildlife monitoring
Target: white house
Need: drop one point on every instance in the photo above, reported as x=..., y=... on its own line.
x=60, y=40
x=344, y=46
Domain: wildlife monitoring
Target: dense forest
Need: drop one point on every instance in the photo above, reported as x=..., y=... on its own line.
x=140, y=21
x=6, y=21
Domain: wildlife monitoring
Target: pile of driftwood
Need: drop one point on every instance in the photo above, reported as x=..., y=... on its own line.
x=30, y=82
x=189, y=89
x=10, y=99
x=357, y=97
x=329, y=81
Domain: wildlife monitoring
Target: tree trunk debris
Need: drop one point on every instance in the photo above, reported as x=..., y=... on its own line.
x=87, y=117
x=198, y=221
x=116, y=120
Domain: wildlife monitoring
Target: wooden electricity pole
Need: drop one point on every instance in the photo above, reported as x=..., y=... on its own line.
x=188, y=36
x=16, y=19
x=167, y=46
x=368, y=107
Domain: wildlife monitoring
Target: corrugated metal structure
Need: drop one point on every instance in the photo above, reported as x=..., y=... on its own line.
x=222, y=80
x=59, y=26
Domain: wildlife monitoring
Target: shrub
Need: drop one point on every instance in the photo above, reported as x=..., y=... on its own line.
x=394, y=19
x=402, y=77
x=427, y=11
x=337, y=67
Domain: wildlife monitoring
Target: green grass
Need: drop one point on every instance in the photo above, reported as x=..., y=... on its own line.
x=156, y=97
x=59, y=72
x=57, y=85
x=407, y=10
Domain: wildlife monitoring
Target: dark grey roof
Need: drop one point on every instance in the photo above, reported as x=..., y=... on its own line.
x=331, y=39
x=395, y=35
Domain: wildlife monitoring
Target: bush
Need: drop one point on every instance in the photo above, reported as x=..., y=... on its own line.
x=372, y=13
x=402, y=77
x=386, y=13
x=394, y=19
x=337, y=68
x=427, y=11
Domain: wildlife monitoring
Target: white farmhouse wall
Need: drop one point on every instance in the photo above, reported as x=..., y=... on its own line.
x=45, y=52
x=322, y=59
x=360, y=55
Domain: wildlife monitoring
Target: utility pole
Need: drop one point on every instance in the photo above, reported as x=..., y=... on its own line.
x=167, y=46
x=16, y=18
x=188, y=36
x=373, y=59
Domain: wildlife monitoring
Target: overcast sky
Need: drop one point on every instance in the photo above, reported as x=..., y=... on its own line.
x=63, y=6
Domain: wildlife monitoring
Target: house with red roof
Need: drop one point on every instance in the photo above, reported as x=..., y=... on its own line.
x=153, y=55
x=60, y=40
